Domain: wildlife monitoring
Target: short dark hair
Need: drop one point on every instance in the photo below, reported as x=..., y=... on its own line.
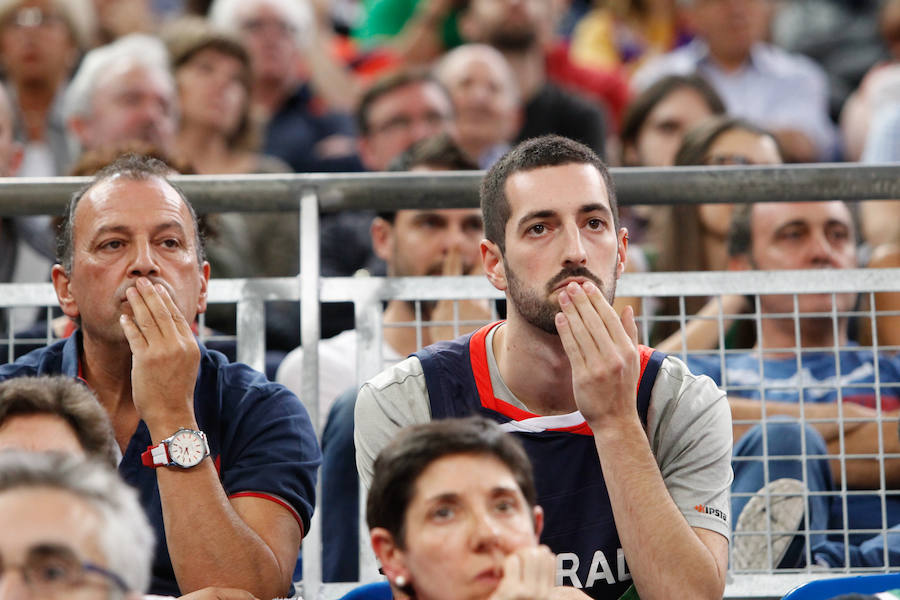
x=386, y=85
x=135, y=167
x=415, y=448
x=544, y=151
x=643, y=104
x=67, y=399
x=439, y=152
x=697, y=142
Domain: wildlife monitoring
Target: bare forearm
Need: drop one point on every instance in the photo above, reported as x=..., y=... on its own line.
x=865, y=473
x=209, y=544
x=665, y=556
x=744, y=409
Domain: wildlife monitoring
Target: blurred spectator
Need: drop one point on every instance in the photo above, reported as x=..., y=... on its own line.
x=71, y=529
x=625, y=33
x=879, y=89
x=786, y=93
x=881, y=218
x=124, y=92
x=118, y=18
x=40, y=42
x=656, y=120
x=808, y=368
x=485, y=98
x=693, y=237
x=217, y=135
x=55, y=413
x=397, y=111
x=213, y=78
x=840, y=35
x=416, y=32
x=279, y=36
x=523, y=31
x=412, y=243
x=20, y=260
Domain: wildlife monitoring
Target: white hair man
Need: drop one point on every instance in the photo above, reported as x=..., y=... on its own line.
x=70, y=528
x=123, y=92
x=280, y=36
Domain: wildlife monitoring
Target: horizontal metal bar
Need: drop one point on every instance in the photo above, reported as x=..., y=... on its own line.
x=385, y=191
x=341, y=289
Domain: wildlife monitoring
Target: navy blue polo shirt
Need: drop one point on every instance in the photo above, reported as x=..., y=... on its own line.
x=260, y=439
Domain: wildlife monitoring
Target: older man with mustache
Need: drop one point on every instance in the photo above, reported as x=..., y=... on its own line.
x=131, y=274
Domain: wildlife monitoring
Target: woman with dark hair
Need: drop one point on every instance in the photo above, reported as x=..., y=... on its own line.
x=213, y=77
x=452, y=514
x=657, y=119
x=693, y=237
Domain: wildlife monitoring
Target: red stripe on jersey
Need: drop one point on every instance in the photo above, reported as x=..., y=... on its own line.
x=274, y=499
x=482, y=374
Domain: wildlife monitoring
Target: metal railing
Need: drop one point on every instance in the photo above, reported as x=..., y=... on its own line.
x=313, y=194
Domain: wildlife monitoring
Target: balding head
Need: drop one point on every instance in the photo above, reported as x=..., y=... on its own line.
x=485, y=96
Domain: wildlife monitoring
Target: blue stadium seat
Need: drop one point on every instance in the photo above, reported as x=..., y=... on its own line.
x=371, y=591
x=824, y=589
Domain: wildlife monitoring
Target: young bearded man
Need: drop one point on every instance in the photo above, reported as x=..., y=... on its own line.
x=566, y=374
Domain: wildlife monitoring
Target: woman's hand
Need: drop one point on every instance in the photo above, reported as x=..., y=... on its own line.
x=528, y=574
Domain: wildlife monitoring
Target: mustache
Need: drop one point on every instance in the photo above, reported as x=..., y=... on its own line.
x=120, y=293
x=571, y=273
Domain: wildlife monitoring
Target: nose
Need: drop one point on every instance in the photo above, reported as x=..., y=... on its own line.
x=143, y=259
x=486, y=533
x=821, y=251
x=573, y=250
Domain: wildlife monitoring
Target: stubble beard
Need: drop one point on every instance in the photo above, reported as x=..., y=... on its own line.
x=541, y=311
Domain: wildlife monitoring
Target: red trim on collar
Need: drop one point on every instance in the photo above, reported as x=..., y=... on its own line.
x=482, y=374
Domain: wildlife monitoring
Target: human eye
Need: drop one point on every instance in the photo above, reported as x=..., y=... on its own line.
x=113, y=244
x=596, y=223
x=171, y=243
x=537, y=229
x=53, y=568
x=838, y=234
x=792, y=233
x=442, y=512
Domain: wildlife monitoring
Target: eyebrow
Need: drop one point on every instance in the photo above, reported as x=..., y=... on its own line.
x=125, y=229
x=547, y=212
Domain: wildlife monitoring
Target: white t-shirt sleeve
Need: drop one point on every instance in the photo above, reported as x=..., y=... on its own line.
x=690, y=434
x=391, y=400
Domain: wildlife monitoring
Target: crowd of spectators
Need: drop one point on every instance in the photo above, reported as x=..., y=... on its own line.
x=318, y=86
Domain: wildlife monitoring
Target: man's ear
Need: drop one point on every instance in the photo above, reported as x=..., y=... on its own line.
x=64, y=296
x=492, y=261
x=538, y=520
x=391, y=557
x=622, y=251
x=382, y=231
x=204, y=288
x=80, y=127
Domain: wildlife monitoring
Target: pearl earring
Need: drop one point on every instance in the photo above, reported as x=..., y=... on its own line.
x=400, y=581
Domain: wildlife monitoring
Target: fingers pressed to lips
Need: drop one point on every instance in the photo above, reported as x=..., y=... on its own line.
x=587, y=328
x=611, y=320
x=566, y=335
x=181, y=323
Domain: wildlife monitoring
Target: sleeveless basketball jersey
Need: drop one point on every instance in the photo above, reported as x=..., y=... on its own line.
x=578, y=522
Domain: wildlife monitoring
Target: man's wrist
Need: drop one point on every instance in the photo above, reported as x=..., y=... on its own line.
x=166, y=425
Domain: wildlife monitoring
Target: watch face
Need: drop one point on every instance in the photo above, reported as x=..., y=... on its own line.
x=187, y=448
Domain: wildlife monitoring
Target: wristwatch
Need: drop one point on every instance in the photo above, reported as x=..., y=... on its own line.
x=185, y=448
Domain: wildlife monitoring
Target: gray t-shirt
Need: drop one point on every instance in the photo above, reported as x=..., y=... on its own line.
x=688, y=425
